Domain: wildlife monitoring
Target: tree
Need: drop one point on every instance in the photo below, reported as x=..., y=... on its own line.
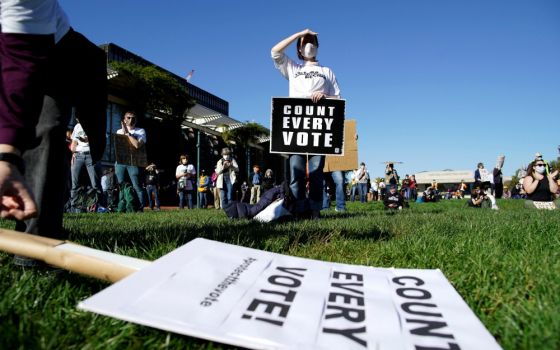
x=150, y=89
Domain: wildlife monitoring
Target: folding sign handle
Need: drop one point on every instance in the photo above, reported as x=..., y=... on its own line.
x=69, y=256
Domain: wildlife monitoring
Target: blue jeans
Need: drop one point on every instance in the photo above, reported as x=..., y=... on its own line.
x=152, y=189
x=363, y=192
x=133, y=173
x=408, y=193
x=202, y=200
x=227, y=191
x=338, y=179
x=81, y=159
x=297, y=181
x=189, y=195
x=353, y=191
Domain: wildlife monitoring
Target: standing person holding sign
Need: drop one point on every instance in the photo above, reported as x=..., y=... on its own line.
x=306, y=80
x=137, y=139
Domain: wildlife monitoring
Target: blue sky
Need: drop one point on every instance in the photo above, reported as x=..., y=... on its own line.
x=436, y=84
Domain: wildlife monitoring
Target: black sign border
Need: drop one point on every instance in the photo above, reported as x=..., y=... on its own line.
x=304, y=153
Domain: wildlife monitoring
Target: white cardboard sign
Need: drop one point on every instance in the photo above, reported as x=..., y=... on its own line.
x=261, y=300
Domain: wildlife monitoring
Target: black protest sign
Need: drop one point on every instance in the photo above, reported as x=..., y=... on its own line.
x=127, y=154
x=299, y=126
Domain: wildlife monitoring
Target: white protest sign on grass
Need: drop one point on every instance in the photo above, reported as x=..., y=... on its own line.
x=261, y=300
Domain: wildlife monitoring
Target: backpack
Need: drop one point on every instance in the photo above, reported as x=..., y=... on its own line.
x=86, y=201
x=128, y=203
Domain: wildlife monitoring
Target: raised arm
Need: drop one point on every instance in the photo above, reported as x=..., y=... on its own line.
x=553, y=185
x=282, y=45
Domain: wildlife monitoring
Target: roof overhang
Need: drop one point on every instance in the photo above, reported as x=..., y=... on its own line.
x=445, y=177
x=208, y=118
x=203, y=117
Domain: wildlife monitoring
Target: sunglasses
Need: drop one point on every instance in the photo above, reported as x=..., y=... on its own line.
x=539, y=165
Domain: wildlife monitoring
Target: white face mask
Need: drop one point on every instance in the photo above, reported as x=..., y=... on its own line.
x=540, y=169
x=309, y=51
x=227, y=157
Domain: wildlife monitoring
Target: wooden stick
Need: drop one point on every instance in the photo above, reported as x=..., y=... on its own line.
x=69, y=256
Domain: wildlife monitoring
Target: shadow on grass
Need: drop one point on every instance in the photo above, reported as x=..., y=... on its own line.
x=150, y=235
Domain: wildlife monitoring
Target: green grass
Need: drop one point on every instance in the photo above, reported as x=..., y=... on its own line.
x=505, y=264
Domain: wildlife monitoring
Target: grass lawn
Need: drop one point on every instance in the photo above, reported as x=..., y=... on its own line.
x=505, y=264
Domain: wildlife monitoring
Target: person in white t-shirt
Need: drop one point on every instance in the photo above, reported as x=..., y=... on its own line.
x=137, y=138
x=185, y=175
x=307, y=80
x=81, y=157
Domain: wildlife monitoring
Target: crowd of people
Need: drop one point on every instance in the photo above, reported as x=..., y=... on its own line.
x=222, y=187
x=481, y=191
x=48, y=69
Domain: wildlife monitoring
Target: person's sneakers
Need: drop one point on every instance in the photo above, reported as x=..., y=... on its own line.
x=341, y=210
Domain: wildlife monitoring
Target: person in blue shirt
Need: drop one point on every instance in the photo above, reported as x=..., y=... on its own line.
x=256, y=182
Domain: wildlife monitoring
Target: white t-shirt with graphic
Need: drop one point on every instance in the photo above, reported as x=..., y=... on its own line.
x=307, y=78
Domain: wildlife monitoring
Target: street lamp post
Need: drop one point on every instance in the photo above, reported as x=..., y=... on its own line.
x=197, y=166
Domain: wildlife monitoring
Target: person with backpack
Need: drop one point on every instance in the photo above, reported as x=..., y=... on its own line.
x=203, y=184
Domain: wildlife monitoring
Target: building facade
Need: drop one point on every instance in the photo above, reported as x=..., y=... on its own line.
x=198, y=135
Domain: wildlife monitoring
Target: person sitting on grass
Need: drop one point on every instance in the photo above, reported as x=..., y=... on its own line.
x=540, y=187
x=393, y=200
x=480, y=199
x=430, y=195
